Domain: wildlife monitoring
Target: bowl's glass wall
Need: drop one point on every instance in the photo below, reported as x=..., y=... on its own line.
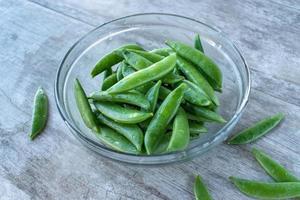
x=151, y=31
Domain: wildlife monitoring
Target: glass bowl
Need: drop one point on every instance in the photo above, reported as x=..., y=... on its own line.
x=150, y=31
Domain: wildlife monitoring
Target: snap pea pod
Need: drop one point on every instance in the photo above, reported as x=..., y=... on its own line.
x=197, y=43
x=132, y=98
x=111, y=59
x=257, y=130
x=195, y=95
x=195, y=118
x=119, y=71
x=162, y=51
x=197, y=128
x=200, y=190
x=205, y=65
x=131, y=131
x=205, y=114
x=135, y=60
x=153, y=57
x=180, y=135
x=162, y=117
x=116, y=141
x=172, y=78
x=261, y=190
x=109, y=81
x=273, y=168
x=84, y=107
x=121, y=114
x=127, y=70
x=154, y=72
x=40, y=113
x=152, y=95
x=163, y=144
x=107, y=73
x=195, y=76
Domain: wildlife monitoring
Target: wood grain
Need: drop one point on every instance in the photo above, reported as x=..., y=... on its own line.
x=34, y=37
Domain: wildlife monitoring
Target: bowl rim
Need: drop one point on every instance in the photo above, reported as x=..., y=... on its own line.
x=239, y=111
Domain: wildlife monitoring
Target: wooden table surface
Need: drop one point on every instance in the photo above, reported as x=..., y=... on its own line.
x=36, y=34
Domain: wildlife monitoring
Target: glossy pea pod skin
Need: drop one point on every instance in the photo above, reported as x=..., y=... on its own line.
x=195, y=95
x=200, y=190
x=107, y=73
x=197, y=43
x=39, y=114
x=261, y=190
x=121, y=114
x=162, y=51
x=84, y=107
x=195, y=76
x=116, y=141
x=153, y=72
x=109, y=81
x=162, y=117
x=135, y=60
x=111, y=59
x=148, y=55
x=119, y=71
x=132, y=98
x=205, y=65
x=273, y=168
x=257, y=130
x=152, y=95
x=163, y=144
x=180, y=134
x=127, y=70
x=131, y=131
x=205, y=114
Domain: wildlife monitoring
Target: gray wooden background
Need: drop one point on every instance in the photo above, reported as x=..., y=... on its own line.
x=35, y=35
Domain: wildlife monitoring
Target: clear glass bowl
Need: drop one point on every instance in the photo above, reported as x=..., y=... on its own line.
x=151, y=30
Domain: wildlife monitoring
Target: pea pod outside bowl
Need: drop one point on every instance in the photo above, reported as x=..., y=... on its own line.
x=151, y=30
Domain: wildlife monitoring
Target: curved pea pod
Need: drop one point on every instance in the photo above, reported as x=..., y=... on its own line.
x=261, y=190
x=121, y=114
x=197, y=128
x=205, y=65
x=162, y=51
x=154, y=72
x=172, y=78
x=180, y=134
x=153, y=57
x=135, y=60
x=152, y=95
x=197, y=43
x=257, y=130
x=162, y=117
x=195, y=95
x=131, y=131
x=107, y=73
x=119, y=71
x=132, y=98
x=200, y=190
x=40, y=113
x=109, y=81
x=163, y=144
x=111, y=59
x=84, y=107
x=127, y=70
x=195, y=76
x=116, y=141
x=273, y=168
x=205, y=114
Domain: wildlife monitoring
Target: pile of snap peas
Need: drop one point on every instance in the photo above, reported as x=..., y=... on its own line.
x=154, y=101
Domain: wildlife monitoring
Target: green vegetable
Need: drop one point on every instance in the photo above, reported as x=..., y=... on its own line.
x=205, y=114
x=119, y=71
x=152, y=95
x=195, y=95
x=200, y=190
x=197, y=43
x=109, y=81
x=107, y=73
x=148, y=55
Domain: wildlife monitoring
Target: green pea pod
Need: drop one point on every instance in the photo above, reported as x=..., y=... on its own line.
x=172, y=78
x=261, y=190
x=195, y=76
x=116, y=141
x=257, y=130
x=153, y=57
x=109, y=81
x=107, y=73
x=206, y=114
x=127, y=70
x=197, y=43
x=111, y=59
x=195, y=95
x=131, y=131
x=152, y=95
x=163, y=144
x=135, y=60
x=154, y=72
x=162, y=51
x=121, y=114
x=132, y=98
x=205, y=65
x=84, y=107
x=273, y=168
x=119, y=71
x=180, y=135
x=162, y=117
x=40, y=113
x=197, y=128
x=200, y=190
x=195, y=117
